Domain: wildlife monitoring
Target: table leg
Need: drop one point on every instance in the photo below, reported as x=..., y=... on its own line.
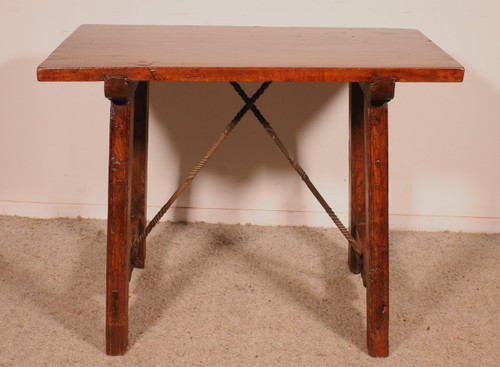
x=121, y=94
x=377, y=94
x=139, y=171
x=357, y=170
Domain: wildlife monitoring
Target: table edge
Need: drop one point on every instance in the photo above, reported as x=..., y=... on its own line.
x=279, y=74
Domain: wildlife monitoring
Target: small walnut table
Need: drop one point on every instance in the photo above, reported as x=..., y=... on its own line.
x=127, y=58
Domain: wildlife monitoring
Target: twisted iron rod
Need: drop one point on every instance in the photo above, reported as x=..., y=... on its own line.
x=298, y=169
x=248, y=103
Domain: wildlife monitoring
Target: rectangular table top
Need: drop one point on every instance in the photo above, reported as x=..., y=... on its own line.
x=227, y=53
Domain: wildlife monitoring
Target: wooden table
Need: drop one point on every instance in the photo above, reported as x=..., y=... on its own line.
x=127, y=58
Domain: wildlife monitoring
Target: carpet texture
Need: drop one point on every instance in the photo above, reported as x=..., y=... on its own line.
x=230, y=295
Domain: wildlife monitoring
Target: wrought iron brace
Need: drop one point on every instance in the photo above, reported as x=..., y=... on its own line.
x=249, y=105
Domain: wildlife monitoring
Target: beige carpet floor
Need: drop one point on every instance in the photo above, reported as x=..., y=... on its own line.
x=229, y=295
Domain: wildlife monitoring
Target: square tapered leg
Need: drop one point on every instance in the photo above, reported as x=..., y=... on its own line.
x=121, y=94
x=139, y=171
x=369, y=203
x=357, y=209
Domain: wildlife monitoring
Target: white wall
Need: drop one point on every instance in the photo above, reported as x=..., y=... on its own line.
x=444, y=138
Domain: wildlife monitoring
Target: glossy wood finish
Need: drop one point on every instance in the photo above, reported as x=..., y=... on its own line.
x=208, y=53
x=121, y=94
x=126, y=58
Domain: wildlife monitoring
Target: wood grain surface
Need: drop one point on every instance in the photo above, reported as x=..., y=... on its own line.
x=121, y=94
x=376, y=257
x=226, y=53
x=357, y=180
